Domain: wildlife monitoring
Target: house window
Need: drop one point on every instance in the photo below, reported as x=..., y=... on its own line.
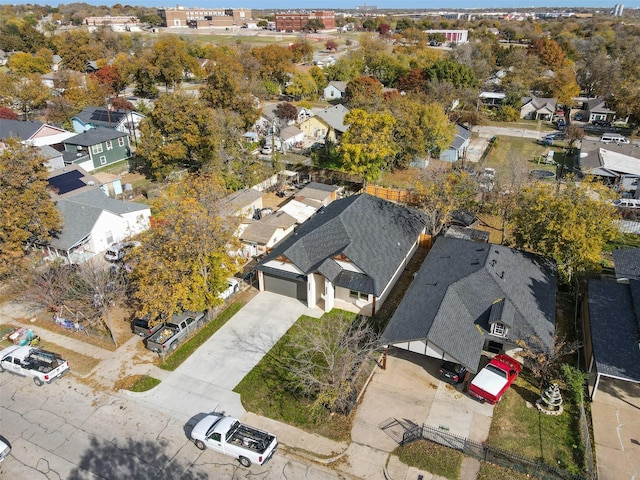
x=109, y=144
x=96, y=148
x=103, y=160
x=121, y=141
x=358, y=295
x=499, y=329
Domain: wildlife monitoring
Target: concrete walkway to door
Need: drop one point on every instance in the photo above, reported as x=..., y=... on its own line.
x=205, y=381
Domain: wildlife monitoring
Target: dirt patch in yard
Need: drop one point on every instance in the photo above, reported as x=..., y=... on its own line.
x=118, y=316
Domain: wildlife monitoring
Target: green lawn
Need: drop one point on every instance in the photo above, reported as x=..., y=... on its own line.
x=519, y=155
x=489, y=471
x=432, y=457
x=518, y=427
x=265, y=390
x=144, y=383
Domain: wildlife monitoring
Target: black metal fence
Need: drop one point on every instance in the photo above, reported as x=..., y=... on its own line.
x=487, y=453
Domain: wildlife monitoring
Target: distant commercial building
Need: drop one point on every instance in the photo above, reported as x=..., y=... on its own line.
x=452, y=36
x=203, y=17
x=109, y=20
x=618, y=9
x=296, y=21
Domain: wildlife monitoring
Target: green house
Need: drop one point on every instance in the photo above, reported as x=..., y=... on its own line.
x=97, y=148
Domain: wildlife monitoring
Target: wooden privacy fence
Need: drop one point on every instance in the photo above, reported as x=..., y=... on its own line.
x=393, y=194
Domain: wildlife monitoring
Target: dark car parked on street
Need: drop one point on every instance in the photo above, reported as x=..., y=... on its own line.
x=452, y=372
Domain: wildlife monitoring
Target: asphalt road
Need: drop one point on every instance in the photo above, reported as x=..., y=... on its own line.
x=67, y=430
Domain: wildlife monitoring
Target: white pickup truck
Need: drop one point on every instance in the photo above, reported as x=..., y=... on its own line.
x=230, y=437
x=42, y=366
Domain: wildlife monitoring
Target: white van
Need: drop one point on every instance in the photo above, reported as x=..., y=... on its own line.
x=614, y=138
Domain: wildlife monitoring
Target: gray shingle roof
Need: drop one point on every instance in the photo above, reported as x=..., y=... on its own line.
x=374, y=234
x=615, y=328
x=334, y=117
x=449, y=302
x=94, y=136
x=627, y=263
x=462, y=135
x=18, y=129
x=81, y=212
x=258, y=232
x=101, y=117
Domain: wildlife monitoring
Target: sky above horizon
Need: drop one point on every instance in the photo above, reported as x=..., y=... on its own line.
x=508, y=5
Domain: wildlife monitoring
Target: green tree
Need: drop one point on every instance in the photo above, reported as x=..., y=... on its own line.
x=364, y=92
x=368, y=145
x=443, y=191
x=28, y=215
x=26, y=93
x=446, y=70
x=302, y=85
x=76, y=49
x=302, y=51
x=227, y=87
x=184, y=261
x=22, y=63
x=313, y=25
x=276, y=63
x=570, y=224
x=421, y=129
x=170, y=56
x=178, y=132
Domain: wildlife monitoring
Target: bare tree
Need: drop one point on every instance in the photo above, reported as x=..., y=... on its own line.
x=545, y=364
x=326, y=356
x=100, y=287
x=86, y=290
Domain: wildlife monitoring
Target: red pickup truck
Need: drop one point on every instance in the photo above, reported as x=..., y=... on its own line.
x=494, y=379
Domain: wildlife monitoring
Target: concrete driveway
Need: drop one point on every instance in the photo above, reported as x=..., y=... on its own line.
x=615, y=413
x=205, y=381
x=409, y=392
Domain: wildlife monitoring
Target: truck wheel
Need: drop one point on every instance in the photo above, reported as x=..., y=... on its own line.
x=200, y=444
x=38, y=381
x=244, y=461
x=173, y=346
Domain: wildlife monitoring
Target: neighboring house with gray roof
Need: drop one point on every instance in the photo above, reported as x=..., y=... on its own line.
x=597, y=110
x=612, y=331
x=538, y=108
x=34, y=132
x=243, y=203
x=627, y=262
x=327, y=124
x=459, y=145
x=335, y=90
x=261, y=235
x=470, y=297
x=96, y=148
x=92, y=221
x=317, y=194
x=53, y=158
x=92, y=117
x=348, y=255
